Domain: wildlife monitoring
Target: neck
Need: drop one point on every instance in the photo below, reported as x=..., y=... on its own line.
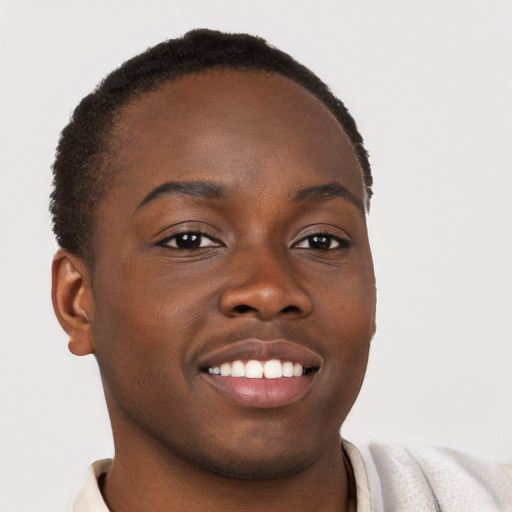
x=145, y=477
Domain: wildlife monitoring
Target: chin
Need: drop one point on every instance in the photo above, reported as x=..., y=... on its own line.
x=258, y=468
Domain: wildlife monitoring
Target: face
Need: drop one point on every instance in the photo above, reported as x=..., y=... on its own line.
x=232, y=241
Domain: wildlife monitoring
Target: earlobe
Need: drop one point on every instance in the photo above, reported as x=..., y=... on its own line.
x=72, y=301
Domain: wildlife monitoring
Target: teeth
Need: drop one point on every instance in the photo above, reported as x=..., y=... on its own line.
x=253, y=370
x=237, y=369
x=271, y=369
x=225, y=369
x=287, y=369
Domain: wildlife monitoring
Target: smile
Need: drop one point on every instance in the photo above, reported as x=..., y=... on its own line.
x=253, y=369
x=261, y=374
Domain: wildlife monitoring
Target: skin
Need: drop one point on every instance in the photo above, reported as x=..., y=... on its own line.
x=149, y=310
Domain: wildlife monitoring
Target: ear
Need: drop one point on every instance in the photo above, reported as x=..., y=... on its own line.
x=73, y=301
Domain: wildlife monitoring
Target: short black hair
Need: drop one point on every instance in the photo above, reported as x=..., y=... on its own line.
x=79, y=177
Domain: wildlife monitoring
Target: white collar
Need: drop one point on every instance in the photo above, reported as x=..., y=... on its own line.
x=89, y=498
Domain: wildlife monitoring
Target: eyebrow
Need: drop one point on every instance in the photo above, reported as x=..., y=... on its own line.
x=208, y=190
x=202, y=189
x=326, y=192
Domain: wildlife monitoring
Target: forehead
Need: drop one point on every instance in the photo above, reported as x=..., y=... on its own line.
x=231, y=126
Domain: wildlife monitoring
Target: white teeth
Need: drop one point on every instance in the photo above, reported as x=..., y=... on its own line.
x=225, y=369
x=237, y=369
x=253, y=370
x=287, y=369
x=271, y=369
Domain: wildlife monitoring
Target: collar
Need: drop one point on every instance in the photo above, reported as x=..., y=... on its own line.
x=89, y=498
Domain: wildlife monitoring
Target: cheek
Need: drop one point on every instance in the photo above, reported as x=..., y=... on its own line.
x=139, y=353
x=348, y=303
x=349, y=324
x=146, y=299
x=145, y=320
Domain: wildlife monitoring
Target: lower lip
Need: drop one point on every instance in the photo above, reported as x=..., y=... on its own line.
x=263, y=393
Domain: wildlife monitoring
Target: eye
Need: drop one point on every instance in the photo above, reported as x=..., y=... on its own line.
x=189, y=240
x=322, y=242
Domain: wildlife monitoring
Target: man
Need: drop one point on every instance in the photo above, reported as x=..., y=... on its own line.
x=209, y=200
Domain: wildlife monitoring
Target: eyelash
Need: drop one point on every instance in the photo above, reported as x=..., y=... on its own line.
x=197, y=236
x=343, y=243
x=190, y=233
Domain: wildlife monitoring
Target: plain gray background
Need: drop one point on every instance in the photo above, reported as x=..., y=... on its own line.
x=428, y=82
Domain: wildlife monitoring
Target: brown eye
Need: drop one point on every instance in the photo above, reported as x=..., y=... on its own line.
x=189, y=240
x=322, y=242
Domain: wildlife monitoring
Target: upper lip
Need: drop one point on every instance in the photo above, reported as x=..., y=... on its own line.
x=262, y=350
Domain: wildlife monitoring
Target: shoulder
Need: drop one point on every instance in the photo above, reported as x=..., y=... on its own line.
x=403, y=478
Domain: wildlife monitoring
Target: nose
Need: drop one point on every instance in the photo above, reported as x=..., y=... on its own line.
x=264, y=286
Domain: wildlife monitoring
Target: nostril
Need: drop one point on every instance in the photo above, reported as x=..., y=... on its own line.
x=290, y=309
x=243, y=308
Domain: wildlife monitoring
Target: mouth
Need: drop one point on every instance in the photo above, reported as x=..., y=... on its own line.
x=253, y=369
x=262, y=374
